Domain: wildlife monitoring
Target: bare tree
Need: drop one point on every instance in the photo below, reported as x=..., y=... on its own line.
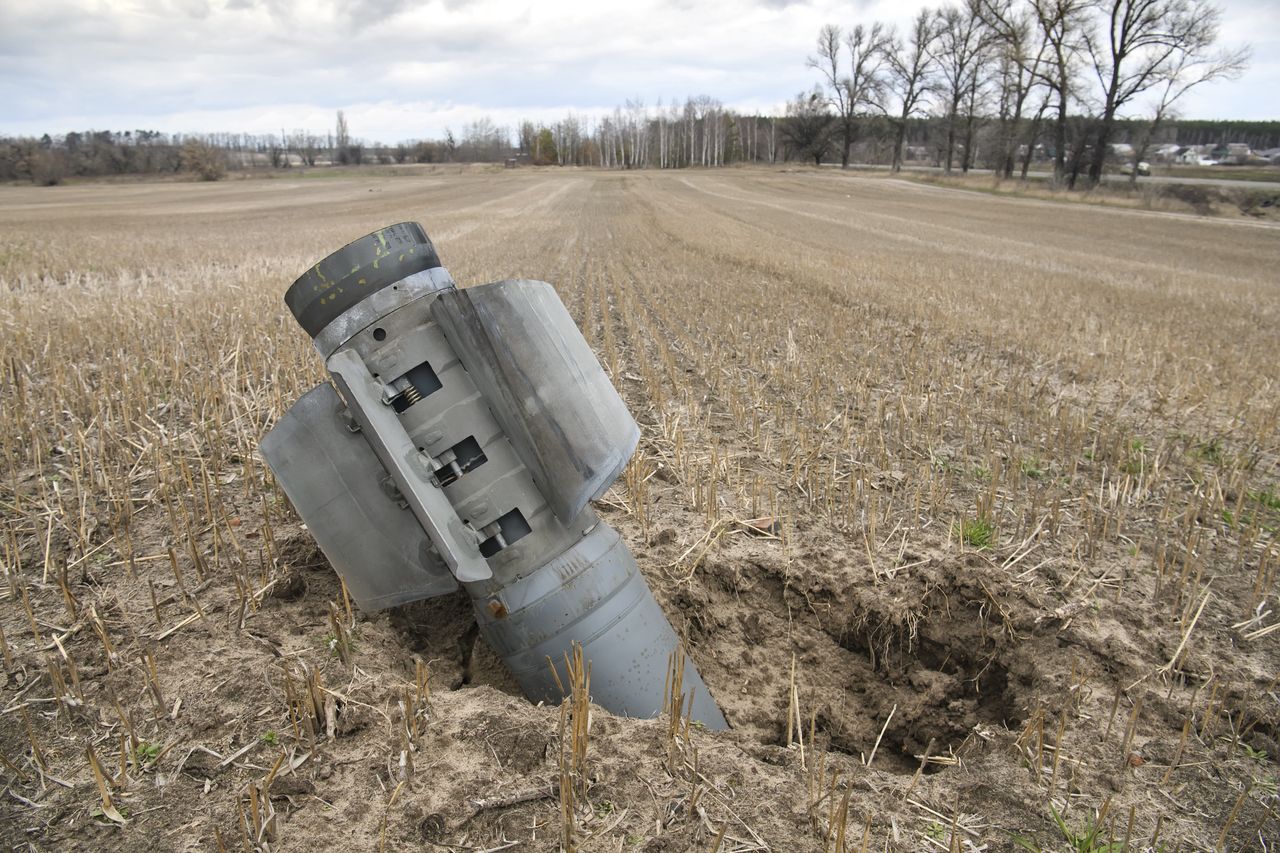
x=1021, y=48
x=205, y=160
x=975, y=99
x=307, y=145
x=1189, y=69
x=342, y=140
x=857, y=88
x=637, y=119
x=277, y=153
x=568, y=138
x=1059, y=27
x=910, y=65
x=484, y=141
x=1062, y=24
x=1031, y=139
x=527, y=138
x=1140, y=44
x=807, y=130
x=960, y=51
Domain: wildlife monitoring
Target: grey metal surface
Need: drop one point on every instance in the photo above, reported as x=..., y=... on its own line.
x=334, y=481
x=485, y=414
x=545, y=386
x=378, y=304
x=401, y=458
x=364, y=266
x=592, y=594
x=456, y=411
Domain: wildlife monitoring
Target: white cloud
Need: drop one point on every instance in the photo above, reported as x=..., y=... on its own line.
x=405, y=68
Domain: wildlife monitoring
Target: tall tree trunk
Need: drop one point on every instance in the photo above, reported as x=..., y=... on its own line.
x=1060, y=139
x=1032, y=139
x=1011, y=146
x=967, y=162
x=1077, y=157
x=1108, y=122
x=951, y=138
x=1100, y=146
x=899, y=144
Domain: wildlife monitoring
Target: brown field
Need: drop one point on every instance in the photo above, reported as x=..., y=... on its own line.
x=1220, y=199
x=1025, y=455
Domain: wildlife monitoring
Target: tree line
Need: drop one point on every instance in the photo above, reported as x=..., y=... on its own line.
x=640, y=139
x=1059, y=72
x=993, y=83
x=698, y=132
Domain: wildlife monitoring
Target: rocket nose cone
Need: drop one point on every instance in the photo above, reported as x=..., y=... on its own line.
x=358, y=269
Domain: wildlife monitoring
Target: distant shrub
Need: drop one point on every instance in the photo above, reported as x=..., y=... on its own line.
x=204, y=160
x=1200, y=198
x=47, y=168
x=1257, y=202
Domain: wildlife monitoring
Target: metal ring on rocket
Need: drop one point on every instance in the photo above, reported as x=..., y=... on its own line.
x=356, y=270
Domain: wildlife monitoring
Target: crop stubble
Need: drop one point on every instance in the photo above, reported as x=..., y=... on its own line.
x=1022, y=459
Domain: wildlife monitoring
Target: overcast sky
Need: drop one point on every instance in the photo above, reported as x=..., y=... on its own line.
x=406, y=69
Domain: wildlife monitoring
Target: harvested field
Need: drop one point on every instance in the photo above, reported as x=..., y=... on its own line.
x=1024, y=456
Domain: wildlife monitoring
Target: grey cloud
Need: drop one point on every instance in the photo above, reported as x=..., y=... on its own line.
x=245, y=64
x=368, y=13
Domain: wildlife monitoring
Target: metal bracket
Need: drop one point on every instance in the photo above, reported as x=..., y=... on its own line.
x=398, y=454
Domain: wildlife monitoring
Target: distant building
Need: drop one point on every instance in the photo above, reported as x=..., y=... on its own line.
x=1231, y=154
x=917, y=152
x=1040, y=152
x=263, y=160
x=1196, y=155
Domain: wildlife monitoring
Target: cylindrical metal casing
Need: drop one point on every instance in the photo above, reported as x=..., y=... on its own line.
x=436, y=383
x=358, y=270
x=592, y=594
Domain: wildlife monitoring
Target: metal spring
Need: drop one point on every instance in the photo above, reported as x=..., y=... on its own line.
x=411, y=395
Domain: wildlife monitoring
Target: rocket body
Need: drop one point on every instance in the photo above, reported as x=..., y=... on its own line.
x=462, y=440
